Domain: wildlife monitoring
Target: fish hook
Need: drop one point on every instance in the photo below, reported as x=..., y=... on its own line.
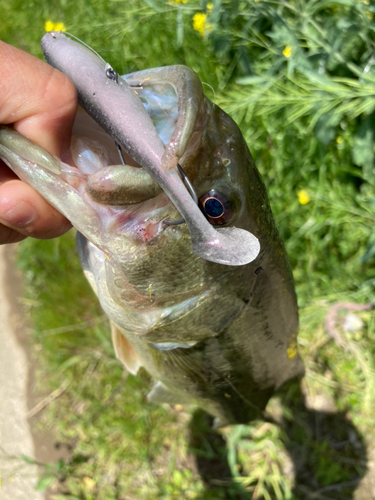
x=192, y=192
x=113, y=75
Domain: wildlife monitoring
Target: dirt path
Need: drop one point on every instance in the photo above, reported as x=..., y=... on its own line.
x=18, y=478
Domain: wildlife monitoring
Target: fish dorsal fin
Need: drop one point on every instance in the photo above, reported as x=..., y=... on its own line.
x=124, y=350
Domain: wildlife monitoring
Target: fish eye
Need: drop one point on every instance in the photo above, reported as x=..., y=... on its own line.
x=216, y=206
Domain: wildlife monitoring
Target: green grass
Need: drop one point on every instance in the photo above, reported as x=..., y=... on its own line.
x=125, y=448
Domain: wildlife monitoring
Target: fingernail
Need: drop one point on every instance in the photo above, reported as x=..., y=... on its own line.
x=19, y=216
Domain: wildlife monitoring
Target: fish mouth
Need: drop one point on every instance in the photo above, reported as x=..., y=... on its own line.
x=135, y=212
x=117, y=105
x=138, y=208
x=120, y=209
x=129, y=201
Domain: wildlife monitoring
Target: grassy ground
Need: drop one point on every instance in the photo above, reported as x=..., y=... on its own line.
x=323, y=443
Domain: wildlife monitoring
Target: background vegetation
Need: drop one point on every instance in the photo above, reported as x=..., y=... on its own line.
x=299, y=79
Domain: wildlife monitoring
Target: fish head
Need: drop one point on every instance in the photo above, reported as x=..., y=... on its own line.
x=115, y=104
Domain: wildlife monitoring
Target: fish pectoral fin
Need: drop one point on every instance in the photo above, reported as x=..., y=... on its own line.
x=124, y=350
x=160, y=394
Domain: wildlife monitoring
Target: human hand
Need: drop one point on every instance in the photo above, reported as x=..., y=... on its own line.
x=40, y=103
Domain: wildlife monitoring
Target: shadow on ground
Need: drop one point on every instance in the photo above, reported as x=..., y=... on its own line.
x=328, y=453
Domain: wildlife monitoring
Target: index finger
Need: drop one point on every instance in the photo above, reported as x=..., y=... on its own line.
x=37, y=99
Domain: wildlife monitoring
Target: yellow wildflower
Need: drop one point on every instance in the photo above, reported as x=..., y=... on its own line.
x=200, y=23
x=209, y=7
x=303, y=197
x=287, y=52
x=60, y=27
x=366, y=2
x=339, y=140
x=256, y=1
x=51, y=26
x=180, y=1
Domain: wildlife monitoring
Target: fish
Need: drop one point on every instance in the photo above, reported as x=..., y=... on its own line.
x=216, y=330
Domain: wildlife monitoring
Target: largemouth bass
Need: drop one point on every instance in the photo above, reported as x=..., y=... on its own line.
x=213, y=331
